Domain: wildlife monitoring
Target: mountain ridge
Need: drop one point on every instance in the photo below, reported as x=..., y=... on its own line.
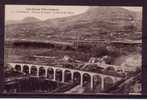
x=94, y=23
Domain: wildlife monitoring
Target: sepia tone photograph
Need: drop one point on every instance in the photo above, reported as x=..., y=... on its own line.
x=57, y=49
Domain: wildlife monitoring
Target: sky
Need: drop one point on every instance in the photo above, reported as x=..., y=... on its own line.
x=43, y=12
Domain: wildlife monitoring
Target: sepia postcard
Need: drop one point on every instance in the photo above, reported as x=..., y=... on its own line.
x=62, y=49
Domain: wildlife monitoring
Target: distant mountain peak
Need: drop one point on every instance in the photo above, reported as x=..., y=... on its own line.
x=30, y=20
x=25, y=20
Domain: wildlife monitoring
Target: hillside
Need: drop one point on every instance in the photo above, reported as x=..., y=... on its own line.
x=96, y=23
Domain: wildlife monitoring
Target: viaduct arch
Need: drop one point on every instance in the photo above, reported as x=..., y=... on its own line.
x=65, y=74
